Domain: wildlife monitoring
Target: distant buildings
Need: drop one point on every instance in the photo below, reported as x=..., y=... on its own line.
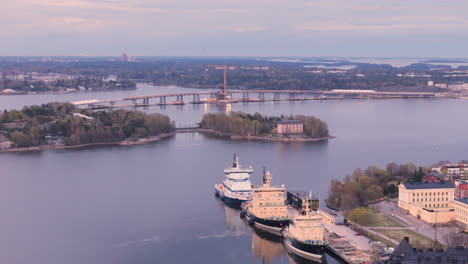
x=441, y=85
x=453, y=170
x=431, y=202
x=433, y=176
x=127, y=58
x=290, y=127
x=461, y=189
x=461, y=212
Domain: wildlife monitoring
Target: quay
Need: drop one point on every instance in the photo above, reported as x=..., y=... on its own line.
x=235, y=96
x=343, y=244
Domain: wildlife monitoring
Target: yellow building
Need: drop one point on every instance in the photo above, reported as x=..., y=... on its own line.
x=432, y=202
x=461, y=211
x=290, y=127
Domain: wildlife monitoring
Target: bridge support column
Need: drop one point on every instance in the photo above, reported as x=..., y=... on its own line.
x=134, y=101
x=162, y=99
x=276, y=96
x=245, y=96
x=261, y=96
x=196, y=98
x=292, y=95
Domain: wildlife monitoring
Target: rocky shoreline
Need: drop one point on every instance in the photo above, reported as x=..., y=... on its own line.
x=122, y=143
x=257, y=138
x=141, y=141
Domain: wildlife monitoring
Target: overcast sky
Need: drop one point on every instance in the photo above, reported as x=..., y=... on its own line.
x=427, y=28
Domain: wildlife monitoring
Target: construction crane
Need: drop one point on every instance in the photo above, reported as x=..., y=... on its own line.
x=223, y=93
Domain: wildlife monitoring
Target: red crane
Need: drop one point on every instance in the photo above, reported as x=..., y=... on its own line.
x=223, y=92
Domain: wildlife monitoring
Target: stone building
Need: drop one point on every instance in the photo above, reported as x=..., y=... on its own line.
x=432, y=202
x=290, y=127
x=461, y=212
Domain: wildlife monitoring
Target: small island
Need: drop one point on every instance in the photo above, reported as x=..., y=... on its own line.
x=62, y=125
x=239, y=125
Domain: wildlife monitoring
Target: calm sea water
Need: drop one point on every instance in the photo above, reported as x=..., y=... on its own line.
x=155, y=203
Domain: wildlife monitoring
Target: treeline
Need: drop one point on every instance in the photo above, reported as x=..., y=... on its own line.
x=78, y=83
x=363, y=187
x=249, y=73
x=38, y=125
x=242, y=124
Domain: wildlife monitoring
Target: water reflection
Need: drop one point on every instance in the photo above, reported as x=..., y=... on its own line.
x=267, y=246
x=233, y=224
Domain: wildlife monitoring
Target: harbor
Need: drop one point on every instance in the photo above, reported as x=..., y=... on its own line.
x=151, y=175
x=293, y=216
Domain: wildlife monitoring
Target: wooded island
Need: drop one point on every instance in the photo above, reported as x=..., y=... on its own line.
x=62, y=124
x=284, y=128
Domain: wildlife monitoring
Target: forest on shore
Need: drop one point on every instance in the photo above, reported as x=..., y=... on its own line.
x=363, y=187
x=64, y=124
x=242, y=124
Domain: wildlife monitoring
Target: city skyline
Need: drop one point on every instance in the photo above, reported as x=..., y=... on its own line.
x=241, y=28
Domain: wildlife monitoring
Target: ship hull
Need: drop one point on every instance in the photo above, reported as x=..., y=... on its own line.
x=233, y=201
x=304, y=250
x=268, y=225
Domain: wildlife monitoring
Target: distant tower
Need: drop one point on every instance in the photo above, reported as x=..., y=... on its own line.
x=266, y=178
x=124, y=57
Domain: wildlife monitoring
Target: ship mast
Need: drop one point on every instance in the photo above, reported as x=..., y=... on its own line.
x=236, y=161
x=266, y=178
x=305, y=207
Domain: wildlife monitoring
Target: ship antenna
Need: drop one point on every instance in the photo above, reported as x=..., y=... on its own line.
x=266, y=178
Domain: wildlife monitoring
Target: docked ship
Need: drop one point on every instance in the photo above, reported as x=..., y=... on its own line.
x=304, y=234
x=236, y=188
x=267, y=210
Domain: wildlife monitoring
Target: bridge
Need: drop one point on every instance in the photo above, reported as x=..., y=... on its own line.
x=233, y=96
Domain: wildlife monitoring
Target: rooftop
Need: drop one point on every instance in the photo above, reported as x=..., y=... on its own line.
x=404, y=253
x=463, y=200
x=290, y=122
x=302, y=195
x=428, y=185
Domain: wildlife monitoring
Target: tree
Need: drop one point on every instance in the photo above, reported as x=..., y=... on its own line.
x=359, y=215
x=391, y=190
x=393, y=169
x=334, y=195
x=20, y=139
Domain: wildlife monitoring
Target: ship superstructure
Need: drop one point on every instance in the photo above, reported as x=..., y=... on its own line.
x=267, y=210
x=236, y=188
x=304, y=235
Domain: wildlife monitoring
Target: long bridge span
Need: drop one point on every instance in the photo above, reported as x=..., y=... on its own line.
x=233, y=96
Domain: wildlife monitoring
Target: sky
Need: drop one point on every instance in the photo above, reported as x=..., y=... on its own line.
x=307, y=28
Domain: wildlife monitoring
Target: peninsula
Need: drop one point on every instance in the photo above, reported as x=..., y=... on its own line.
x=62, y=125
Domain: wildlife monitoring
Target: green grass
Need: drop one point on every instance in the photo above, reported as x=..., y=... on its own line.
x=380, y=220
x=375, y=237
x=416, y=239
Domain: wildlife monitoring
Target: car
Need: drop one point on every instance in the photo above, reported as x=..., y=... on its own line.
x=358, y=234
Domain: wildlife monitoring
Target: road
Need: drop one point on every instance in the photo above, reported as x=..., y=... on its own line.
x=391, y=210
